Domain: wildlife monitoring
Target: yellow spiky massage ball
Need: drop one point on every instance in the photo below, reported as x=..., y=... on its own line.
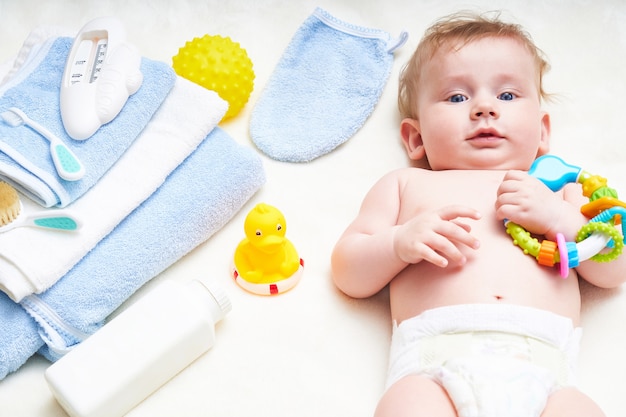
x=219, y=64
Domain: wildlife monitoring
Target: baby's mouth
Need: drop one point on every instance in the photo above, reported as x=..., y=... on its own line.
x=485, y=137
x=485, y=133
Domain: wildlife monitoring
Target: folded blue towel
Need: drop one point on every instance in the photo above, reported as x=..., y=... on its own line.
x=195, y=201
x=25, y=160
x=19, y=336
x=322, y=90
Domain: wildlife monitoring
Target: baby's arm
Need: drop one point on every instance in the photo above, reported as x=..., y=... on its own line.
x=375, y=248
x=602, y=274
x=528, y=202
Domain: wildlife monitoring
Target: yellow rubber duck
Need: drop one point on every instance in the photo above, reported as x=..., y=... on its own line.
x=265, y=256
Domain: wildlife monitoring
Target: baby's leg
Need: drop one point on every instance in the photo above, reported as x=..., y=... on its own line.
x=415, y=396
x=571, y=403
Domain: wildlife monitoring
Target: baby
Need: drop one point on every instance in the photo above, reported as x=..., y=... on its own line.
x=479, y=328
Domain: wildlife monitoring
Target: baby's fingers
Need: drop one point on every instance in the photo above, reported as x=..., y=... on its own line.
x=457, y=232
x=439, y=251
x=457, y=211
x=462, y=225
x=442, y=247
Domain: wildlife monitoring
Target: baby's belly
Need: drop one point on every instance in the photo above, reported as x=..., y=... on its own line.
x=507, y=278
x=497, y=272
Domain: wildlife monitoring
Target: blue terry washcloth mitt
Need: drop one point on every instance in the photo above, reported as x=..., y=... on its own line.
x=197, y=199
x=324, y=87
x=25, y=160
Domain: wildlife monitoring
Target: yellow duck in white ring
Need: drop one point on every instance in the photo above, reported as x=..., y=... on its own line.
x=265, y=255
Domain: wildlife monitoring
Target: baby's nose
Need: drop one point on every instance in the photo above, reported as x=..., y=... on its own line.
x=491, y=113
x=485, y=108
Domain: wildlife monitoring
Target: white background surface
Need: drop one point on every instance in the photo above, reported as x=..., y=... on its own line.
x=313, y=351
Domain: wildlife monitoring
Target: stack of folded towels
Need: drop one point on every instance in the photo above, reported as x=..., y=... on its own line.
x=160, y=179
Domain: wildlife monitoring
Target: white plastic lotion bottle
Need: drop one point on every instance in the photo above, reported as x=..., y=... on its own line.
x=139, y=350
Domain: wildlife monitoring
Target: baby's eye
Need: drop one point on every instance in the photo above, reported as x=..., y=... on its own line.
x=457, y=98
x=506, y=96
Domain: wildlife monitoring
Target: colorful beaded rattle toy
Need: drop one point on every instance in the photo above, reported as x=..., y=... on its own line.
x=604, y=211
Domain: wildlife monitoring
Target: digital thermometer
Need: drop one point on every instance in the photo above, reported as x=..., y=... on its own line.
x=101, y=72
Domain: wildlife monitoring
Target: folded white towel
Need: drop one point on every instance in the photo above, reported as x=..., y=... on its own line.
x=32, y=259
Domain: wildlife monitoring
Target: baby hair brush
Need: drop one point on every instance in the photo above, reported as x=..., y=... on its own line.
x=12, y=214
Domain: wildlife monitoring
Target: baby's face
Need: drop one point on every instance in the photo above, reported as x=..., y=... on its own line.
x=479, y=107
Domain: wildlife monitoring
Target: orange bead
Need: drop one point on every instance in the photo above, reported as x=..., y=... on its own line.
x=546, y=253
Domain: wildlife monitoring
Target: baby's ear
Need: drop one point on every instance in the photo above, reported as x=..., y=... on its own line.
x=412, y=139
x=544, y=145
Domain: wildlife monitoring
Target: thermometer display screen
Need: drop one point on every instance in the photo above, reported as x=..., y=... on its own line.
x=88, y=60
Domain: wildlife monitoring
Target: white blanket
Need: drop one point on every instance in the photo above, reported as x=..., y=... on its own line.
x=313, y=351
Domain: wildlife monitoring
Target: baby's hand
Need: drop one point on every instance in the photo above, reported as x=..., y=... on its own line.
x=525, y=200
x=434, y=236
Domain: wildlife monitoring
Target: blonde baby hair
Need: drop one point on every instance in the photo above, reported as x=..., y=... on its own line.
x=455, y=31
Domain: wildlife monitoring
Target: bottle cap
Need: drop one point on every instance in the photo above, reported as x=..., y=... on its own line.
x=222, y=305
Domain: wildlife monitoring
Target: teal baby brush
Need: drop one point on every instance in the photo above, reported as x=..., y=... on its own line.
x=66, y=163
x=13, y=215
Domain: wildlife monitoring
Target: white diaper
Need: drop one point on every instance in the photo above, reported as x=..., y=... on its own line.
x=492, y=359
